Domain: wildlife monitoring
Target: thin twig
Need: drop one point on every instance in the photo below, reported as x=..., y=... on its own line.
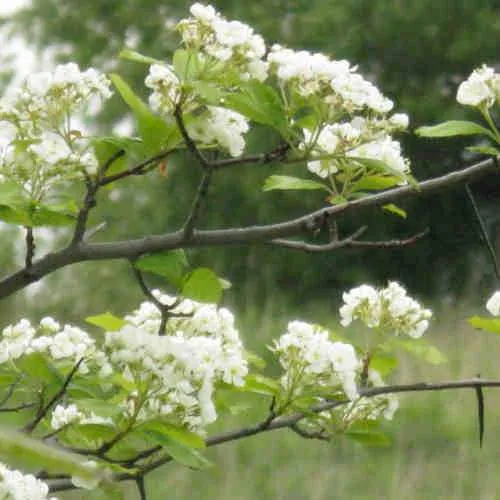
x=10, y=391
x=201, y=194
x=20, y=407
x=141, y=487
x=321, y=434
x=483, y=231
x=30, y=427
x=276, y=155
x=191, y=146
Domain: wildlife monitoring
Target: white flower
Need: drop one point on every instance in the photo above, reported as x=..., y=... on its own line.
x=493, y=304
x=399, y=121
x=65, y=415
x=17, y=486
x=362, y=303
x=223, y=127
x=482, y=87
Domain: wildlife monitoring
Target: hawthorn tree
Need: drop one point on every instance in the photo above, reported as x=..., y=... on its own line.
x=126, y=395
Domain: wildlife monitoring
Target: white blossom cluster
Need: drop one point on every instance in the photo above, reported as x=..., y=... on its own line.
x=166, y=88
x=231, y=42
x=17, y=486
x=68, y=343
x=41, y=144
x=178, y=371
x=493, y=304
x=482, y=88
x=389, y=310
x=310, y=359
x=64, y=415
x=355, y=121
x=222, y=127
x=373, y=408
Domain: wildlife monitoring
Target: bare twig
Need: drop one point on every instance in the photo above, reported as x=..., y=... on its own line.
x=191, y=146
x=30, y=427
x=201, y=194
x=13, y=409
x=276, y=155
x=130, y=249
x=321, y=434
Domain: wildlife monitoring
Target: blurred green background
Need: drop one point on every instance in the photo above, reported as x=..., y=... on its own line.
x=417, y=52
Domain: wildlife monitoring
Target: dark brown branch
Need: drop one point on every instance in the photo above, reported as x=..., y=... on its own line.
x=191, y=146
x=201, y=194
x=42, y=412
x=20, y=407
x=140, y=169
x=390, y=243
x=276, y=155
x=30, y=247
x=130, y=249
x=289, y=421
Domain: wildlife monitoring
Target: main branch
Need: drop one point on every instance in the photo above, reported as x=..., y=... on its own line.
x=132, y=249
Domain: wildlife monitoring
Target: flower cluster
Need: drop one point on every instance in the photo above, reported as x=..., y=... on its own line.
x=42, y=145
x=373, y=408
x=68, y=343
x=353, y=121
x=178, y=371
x=221, y=127
x=482, y=88
x=231, y=42
x=493, y=304
x=312, y=361
x=389, y=310
x=62, y=416
x=166, y=88
x=17, y=486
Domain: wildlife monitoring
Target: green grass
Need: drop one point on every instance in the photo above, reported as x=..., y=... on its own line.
x=434, y=453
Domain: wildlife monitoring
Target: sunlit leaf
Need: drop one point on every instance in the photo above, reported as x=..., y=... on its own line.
x=132, y=55
x=202, y=285
x=171, y=265
x=286, y=182
x=453, y=128
x=491, y=325
x=107, y=321
x=394, y=209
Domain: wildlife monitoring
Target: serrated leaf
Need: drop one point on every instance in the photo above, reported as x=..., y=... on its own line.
x=259, y=384
x=36, y=366
x=132, y=55
x=202, y=285
x=33, y=453
x=485, y=150
x=154, y=131
x=170, y=265
x=260, y=103
x=375, y=183
x=369, y=438
x=491, y=325
x=185, y=455
x=453, y=128
x=107, y=321
x=179, y=434
x=394, y=209
x=286, y=182
x=422, y=350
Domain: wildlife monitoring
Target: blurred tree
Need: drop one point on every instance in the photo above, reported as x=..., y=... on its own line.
x=416, y=51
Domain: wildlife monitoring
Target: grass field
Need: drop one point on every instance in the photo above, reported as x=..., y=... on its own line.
x=434, y=453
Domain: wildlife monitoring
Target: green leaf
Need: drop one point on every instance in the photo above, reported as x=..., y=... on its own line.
x=375, y=183
x=379, y=166
x=178, y=451
x=394, y=209
x=255, y=360
x=132, y=55
x=491, y=325
x=100, y=407
x=259, y=384
x=260, y=103
x=107, y=321
x=485, y=150
x=187, y=65
x=156, y=428
x=53, y=215
x=171, y=265
x=18, y=447
x=95, y=432
x=40, y=369
x=210, y=93
x=369, y=437
x=384, y=363
x=155, y=132
x=202, y=285
x=109, y=490
x=422, y=350
x=286, y=182
x=106, y=147
x=12, y=194
x=14, y=216
x=453, y=128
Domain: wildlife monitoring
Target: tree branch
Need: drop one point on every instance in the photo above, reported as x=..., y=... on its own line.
x=191, y=146
x=291, y=421
x=131, y=249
